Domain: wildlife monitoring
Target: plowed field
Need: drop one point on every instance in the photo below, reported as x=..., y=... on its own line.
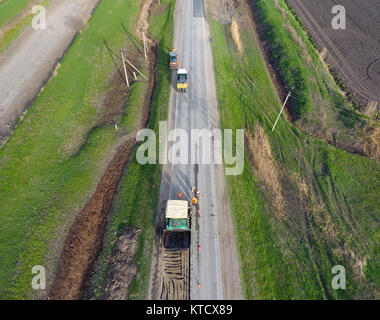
x=355, y=51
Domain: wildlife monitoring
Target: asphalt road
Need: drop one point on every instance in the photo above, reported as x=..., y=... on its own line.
x=29, y=62
x=214, y=270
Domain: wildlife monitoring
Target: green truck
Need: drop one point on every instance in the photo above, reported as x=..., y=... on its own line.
x=177, y=231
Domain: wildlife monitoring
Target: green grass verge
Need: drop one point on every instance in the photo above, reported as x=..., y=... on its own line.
x=136, y=201
x=50, y=166
x=9, y=9
x=291, y=256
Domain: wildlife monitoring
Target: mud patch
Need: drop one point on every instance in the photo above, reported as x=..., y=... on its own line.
x=123, y=268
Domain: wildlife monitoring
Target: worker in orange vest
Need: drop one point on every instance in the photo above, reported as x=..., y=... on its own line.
x=180, y=195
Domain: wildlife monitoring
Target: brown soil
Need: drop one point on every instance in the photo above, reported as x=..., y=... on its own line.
x=114, y=102
x=353, y=52
x=85, y=239
x=86, y=235
x=176, y=271
x=122, y=268
x=143, y=20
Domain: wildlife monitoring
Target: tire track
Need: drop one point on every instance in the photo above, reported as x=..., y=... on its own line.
x=176, y=275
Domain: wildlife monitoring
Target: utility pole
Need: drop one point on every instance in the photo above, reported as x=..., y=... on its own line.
x=134, y=67
x=287, y=97
x=144, y=41
x=125, y=68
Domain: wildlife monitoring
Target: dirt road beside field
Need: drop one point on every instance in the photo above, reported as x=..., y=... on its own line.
x=31, y=60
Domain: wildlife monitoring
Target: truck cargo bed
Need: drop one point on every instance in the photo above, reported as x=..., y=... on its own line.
x=176, y=239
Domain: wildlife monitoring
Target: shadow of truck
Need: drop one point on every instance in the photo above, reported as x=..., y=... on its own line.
x=176, y=240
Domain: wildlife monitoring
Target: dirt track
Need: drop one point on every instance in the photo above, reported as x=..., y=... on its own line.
x=30, y=61
x=354, y=52
x=176, y=275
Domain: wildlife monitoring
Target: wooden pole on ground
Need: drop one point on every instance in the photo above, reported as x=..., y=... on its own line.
x=287, y=97
x=125, y=68
x=144, y=41
x=134, y=67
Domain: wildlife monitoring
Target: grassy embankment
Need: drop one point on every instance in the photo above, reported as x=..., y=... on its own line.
x=317, y=102
x=51, y=165
x=320, y=210
x=9, y=10
x=136, y=201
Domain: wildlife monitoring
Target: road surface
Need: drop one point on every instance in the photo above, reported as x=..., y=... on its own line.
x=29, y=62
x=214, y=269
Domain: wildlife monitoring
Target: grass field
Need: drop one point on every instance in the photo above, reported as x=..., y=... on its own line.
x=9, y=9
x=320, y=209
x=136, y=201
x=50, y=166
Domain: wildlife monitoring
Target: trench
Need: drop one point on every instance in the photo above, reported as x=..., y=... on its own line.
x=84, y=241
